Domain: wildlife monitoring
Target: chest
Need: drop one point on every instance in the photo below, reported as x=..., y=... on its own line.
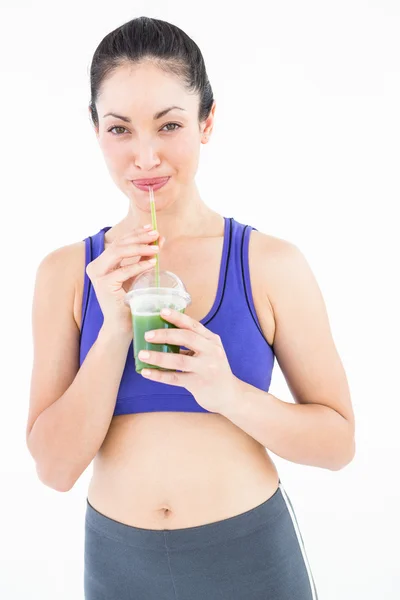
x=198, y=266
x=197, y=263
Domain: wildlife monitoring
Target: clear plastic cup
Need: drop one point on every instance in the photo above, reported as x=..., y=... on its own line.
x=146, y=300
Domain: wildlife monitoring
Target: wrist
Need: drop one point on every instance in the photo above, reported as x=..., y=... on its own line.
x=114, y=336
x=235, y=397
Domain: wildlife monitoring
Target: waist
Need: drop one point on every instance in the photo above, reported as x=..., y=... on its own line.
x=272, y=513
x=183, y=469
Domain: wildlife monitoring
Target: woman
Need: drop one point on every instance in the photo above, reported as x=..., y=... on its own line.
x=185, y=501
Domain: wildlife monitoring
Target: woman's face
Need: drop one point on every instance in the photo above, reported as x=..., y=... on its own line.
x=143, y=146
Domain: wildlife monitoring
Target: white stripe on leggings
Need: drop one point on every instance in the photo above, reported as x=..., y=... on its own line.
x=303, y=551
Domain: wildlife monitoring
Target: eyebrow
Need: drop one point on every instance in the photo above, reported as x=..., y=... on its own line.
x=157, y=115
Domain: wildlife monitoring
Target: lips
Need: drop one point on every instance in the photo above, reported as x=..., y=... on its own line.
x=154, y=184
x=153, y=181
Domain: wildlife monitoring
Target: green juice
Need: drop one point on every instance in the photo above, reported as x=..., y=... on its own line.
x=147, y=322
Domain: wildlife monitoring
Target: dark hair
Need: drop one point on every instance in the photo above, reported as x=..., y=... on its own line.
x=163, y=44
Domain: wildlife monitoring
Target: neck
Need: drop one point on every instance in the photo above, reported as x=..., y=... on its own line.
x=187, y=217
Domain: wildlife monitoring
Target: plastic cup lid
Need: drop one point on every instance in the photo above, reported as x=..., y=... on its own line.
x=169, y=286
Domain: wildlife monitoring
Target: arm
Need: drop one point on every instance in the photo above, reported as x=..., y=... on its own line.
x=71, y=407
x=66, y=436
x=319, y=428
x=309, y=434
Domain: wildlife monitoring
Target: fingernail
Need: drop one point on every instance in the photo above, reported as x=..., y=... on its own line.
x=148, y=226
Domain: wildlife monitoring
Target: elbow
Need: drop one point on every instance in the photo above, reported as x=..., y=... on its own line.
x=347, y=458
x=55, y=480
x=52, y=476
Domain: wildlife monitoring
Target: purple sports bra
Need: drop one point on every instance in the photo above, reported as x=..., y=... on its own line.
x=232, y=317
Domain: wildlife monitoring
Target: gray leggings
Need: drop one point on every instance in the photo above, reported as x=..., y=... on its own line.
x=256, y=555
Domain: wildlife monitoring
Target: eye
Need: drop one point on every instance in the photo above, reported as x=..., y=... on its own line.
x=177, y=125
x=116, y=127
x=120, y=127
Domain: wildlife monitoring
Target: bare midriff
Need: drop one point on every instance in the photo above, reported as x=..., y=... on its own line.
x=172, y=470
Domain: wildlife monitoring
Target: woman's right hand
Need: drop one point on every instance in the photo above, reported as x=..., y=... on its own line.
x=113, y=272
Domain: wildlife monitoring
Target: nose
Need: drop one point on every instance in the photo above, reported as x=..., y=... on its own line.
x=145, y=155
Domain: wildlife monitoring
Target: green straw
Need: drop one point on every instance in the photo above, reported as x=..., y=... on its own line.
x=154, y=225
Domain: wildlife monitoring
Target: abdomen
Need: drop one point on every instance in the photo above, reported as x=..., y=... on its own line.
x=173, y=469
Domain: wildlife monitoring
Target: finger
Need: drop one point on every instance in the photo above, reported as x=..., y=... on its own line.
x=137, y=236
x=178, y=337
x=168, y=377
x=112, y=257
x=122, y=274
x=183, y=321
x=169, y=360
x=146, y=253
x=154, y=250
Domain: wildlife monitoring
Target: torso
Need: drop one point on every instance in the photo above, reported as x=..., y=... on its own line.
x=168, y=470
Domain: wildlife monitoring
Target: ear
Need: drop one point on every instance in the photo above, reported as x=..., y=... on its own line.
x=208, y=124
x=96, y=130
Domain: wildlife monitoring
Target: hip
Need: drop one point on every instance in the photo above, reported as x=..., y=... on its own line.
x=257, y=554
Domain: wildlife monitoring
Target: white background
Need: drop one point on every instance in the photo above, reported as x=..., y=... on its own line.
x=308, y=97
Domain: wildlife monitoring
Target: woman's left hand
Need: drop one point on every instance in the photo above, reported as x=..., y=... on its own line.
x=206, y=371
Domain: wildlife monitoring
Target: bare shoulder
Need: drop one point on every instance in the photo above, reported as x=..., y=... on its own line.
x=70, y=259
x=265, y=252
x=274, y=247
x=273, y=259
x=281, y=265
